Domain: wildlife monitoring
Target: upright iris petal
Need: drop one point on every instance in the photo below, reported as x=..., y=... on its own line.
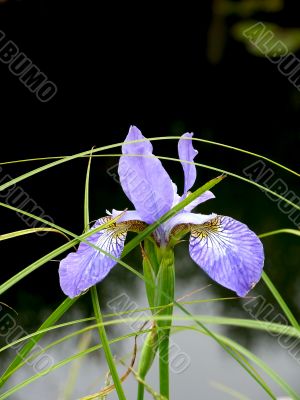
x=144, y=180
x=187, y=152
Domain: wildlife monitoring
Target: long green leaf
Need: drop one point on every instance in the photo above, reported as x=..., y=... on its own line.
x=51, y=320
x=256, y=360
x=105, y=344
x=260, y=156
x=22, y=232
x=285, y=308
x=93, y=151
x=270, y=327
x=95, y=301
x=279, y=231
x=62, y=363
x=226, y=342
x=43, y=260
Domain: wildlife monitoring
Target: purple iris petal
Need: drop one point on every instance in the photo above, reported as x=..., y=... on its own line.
x=128, y=216
x=201, y=199
x=144, y=180
x=229, y=252
x=185, y=218
x=88, y=266
x=176, y=197
x=187, y=152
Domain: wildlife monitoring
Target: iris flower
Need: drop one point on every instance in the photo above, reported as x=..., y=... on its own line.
x=226, y=249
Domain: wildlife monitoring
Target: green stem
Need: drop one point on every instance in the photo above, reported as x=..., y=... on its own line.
x=141, y=390
x=165, y=298
x=105, y=344
x=164, y=363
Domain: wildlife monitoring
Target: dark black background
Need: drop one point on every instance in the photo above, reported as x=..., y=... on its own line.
x=148, y=66
x=116, y=65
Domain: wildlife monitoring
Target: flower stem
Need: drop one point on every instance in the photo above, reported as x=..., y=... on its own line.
x=165, y=298
x=141, y=390
x=164, y=363
x=105, y=344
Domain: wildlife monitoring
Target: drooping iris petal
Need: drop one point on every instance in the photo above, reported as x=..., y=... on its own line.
x=144, y=180
x=201, y=199
x=88, y=266
x=183, y=220
x=187, y=152
x=229, y=252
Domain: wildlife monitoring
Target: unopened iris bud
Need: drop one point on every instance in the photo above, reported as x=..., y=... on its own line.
x=148, y=353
